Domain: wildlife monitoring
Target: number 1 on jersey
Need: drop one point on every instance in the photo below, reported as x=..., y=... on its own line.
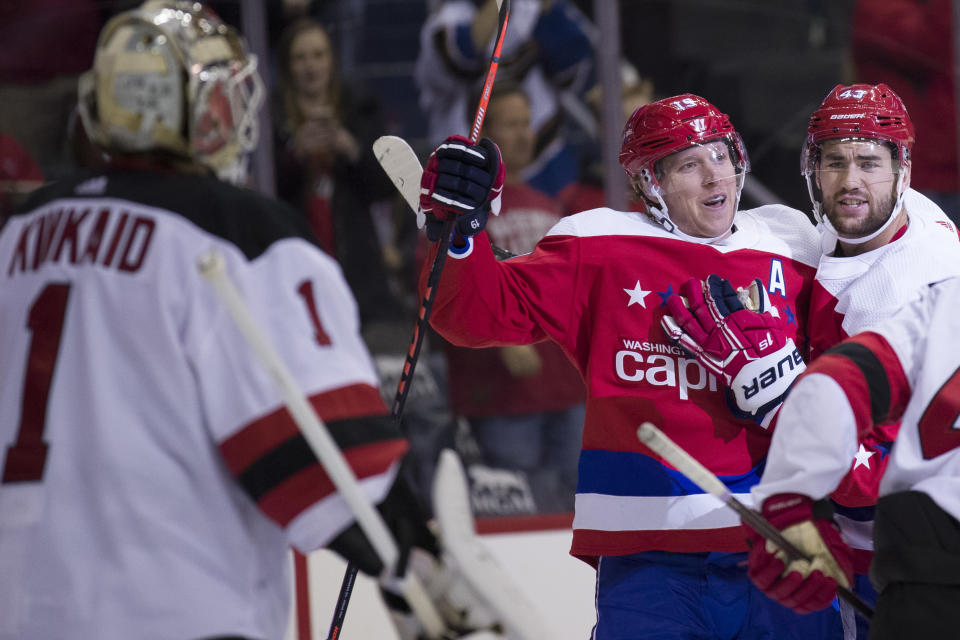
x=27, y=457
x=306, y=292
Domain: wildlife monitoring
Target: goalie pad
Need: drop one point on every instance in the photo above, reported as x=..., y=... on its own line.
x=475, y=596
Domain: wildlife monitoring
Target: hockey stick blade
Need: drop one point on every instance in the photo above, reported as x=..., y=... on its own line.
x=662, y=445
x=403, y=167
x=464, y=549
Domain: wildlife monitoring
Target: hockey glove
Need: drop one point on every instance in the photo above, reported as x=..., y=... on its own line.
x=461, y=181
x=738, y=336
x=802, y=585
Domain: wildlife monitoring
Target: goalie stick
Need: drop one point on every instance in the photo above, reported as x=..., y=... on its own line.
x=402, y=166
x=213, y=268
x=689, y=466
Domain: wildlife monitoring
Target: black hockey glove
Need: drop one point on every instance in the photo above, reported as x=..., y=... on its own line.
x=461, y=181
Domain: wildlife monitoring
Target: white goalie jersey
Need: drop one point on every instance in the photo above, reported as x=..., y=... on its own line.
x=152, y=482
x=905, y=368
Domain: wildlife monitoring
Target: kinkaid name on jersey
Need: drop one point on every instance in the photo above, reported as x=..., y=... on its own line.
x=661, y=365
x=108, y=236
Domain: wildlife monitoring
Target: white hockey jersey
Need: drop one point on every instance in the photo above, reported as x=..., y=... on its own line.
x=152, y=482
x=905, y=368
x=854, y=292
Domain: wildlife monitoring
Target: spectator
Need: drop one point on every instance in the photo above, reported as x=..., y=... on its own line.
x=524, y=402
x=325, y=164
x=588, y=191
x=546, y=49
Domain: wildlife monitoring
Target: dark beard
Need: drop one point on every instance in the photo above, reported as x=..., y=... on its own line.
x=859, y=228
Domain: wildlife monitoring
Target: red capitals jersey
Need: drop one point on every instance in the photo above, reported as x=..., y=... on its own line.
x=853, y=293
x=152, y=482
x=480, y=383
x=905, y=369
x=596, y=285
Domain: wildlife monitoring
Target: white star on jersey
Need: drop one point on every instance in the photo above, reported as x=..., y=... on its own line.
x=863, y=457
x=637, y=294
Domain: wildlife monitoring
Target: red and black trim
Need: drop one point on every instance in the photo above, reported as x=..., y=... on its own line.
x=273, y=462
x=871, y=375
x=936, y=426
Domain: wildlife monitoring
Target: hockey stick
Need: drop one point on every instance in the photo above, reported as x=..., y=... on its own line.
x=405, y=174
x=689, y=466
x=213, y=268
x=433, y=279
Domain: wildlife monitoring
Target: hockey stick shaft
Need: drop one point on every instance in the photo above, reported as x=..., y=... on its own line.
x=689, y=466
x=213, y=268
x=426, y=305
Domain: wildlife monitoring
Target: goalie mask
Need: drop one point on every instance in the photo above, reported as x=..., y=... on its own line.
x=665, y=127
x=875, y=120
x=170, y=76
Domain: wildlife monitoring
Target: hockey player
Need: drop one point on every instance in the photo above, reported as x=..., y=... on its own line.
x=669, y=558
x=904, y=369
x=151, y=481
x=882, y=244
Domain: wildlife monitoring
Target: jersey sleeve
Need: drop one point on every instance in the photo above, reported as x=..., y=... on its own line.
x=298, y=297
x=481, y=302
x=843, y=394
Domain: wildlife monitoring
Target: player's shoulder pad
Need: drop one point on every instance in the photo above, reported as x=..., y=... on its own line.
x=784, y=230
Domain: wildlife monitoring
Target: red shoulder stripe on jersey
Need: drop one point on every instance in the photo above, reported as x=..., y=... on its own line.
x=937, y=433
x=266, y=433
x=312, y=484
x=870, y=373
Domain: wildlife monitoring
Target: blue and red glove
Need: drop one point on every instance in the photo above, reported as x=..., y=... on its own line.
x=802, y=585
x=461, y=181
x=738, y=336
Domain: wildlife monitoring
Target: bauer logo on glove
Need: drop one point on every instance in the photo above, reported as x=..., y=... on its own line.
x=739, y=337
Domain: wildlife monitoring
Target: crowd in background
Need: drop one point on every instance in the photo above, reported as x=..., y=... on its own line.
x=515, y=413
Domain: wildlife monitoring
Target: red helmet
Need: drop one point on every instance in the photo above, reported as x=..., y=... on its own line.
x=666, y=126
x=872, y=112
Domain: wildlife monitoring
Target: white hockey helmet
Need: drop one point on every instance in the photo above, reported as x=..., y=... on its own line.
x=170, y=76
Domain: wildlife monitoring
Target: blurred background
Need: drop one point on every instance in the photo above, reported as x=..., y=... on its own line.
x=341, y=73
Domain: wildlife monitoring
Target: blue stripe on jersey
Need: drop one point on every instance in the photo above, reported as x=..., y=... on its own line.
x=623, y=473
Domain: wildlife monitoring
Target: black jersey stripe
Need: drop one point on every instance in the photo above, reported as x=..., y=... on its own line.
x=294, y=454
x=878, y=384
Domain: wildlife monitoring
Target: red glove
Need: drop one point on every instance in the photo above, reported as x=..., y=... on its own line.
x=802, y=585
x=461, y=181
x=737, y=335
